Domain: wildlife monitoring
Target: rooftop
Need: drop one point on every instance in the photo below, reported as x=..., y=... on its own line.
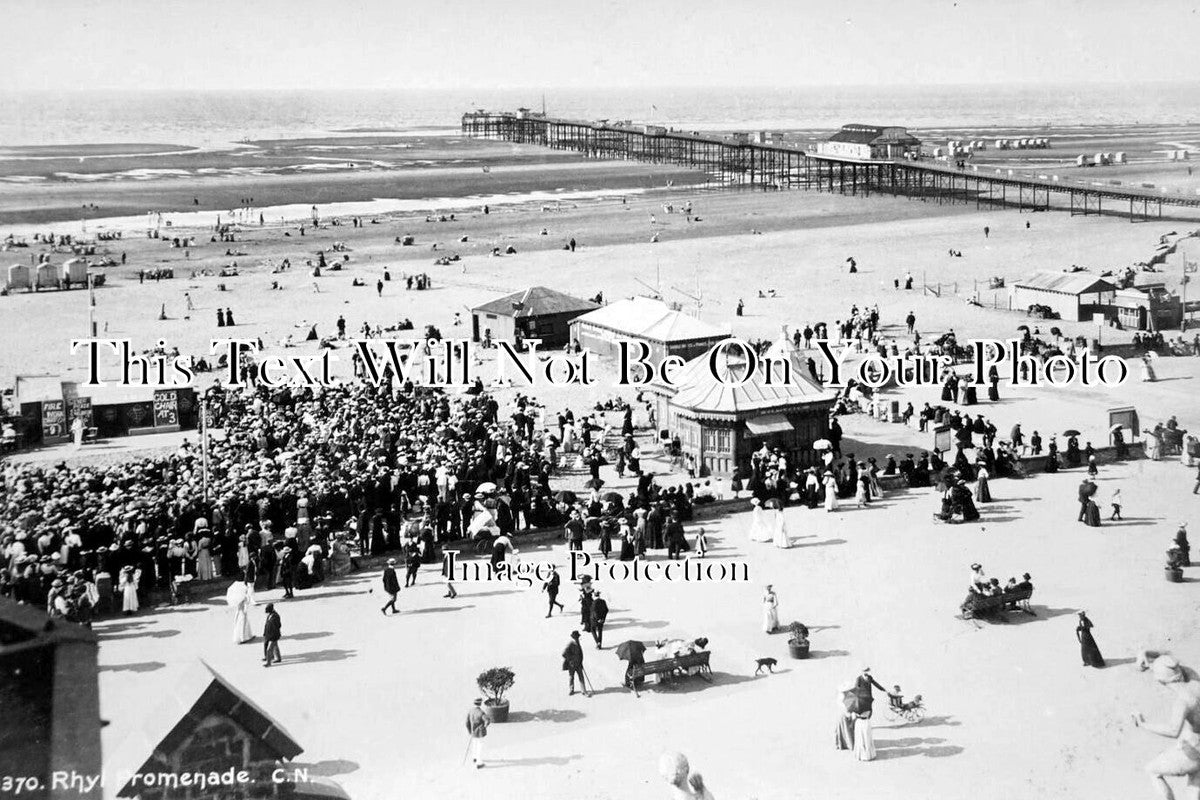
x=536, y=301
x=1066, y=282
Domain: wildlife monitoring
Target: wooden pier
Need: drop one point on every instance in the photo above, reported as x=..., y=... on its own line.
x=735, y=161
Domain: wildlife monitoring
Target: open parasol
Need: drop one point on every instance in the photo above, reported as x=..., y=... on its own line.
x=486, y=488
x=772, y=502
x=235, y=593
x=627, y=651
x=822, y=444
x=566, y=496
x=1023, y=327
x=1116, y=428
x=612, y=497
x=1070, y=432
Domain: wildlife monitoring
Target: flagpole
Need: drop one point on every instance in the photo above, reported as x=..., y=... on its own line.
x=1183, y=297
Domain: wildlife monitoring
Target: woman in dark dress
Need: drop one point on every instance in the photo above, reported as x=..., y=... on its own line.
x=965, y=502
x=1074, y=457
x=1087, y=645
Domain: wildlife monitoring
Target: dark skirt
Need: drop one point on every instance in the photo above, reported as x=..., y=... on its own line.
x=1088, y=650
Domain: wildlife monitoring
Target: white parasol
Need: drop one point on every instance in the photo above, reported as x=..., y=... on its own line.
x=236, y=593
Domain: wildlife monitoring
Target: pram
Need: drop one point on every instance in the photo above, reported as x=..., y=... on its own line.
x=913, y=711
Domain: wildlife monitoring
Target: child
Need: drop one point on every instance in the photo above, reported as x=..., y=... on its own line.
x=701, y=543
x=1093, y=470
x=896, y=697
x=1116, y=504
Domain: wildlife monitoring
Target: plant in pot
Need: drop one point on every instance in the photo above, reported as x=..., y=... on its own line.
x=494, y=683
x=798, y=642
x=1174, y=567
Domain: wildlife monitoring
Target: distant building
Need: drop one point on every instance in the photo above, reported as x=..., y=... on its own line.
x=535, y=313
x=663, y=329
x=871, y=142
x=1150, y=308
x=1075, y=296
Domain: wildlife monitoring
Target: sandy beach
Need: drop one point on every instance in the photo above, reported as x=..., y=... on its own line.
x=878, y=586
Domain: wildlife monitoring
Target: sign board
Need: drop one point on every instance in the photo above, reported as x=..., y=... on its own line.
x=54, y=419
x=166, y=408
x=80, y=408
x=1127, y=417
x=1099, y=319
x=943, y=438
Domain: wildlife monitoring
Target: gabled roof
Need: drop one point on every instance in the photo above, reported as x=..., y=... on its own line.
x=646, y=318
x=536, y=301
x=198, y=692
x=1066, y=282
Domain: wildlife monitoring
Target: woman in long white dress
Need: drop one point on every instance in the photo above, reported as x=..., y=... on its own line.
x=864, y=738
x=1153, y=445
x=770, y=610
x=780, y=536
x=831, y=489
x=241, y=621
x=760, y=528
x=128, y=584
x=1148, y=370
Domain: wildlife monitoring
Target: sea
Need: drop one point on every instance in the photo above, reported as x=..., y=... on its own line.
x=212, y=119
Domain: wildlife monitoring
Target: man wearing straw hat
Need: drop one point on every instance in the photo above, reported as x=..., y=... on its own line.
x=477, y=725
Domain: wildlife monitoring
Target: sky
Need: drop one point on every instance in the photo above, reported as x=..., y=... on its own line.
x=57, y=45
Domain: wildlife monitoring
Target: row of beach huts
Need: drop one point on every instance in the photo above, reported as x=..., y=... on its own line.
x=44, y=275
x=962, y=147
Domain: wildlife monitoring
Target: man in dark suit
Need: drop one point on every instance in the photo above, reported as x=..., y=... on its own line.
x=676, y=543
x=412, y=566
x=599, y=614
x=573, y=663
x=272, y=633
x=391, y=587
x=550, y=587
x=862, y=688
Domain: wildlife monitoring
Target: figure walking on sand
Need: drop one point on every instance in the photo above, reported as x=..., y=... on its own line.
x=780, y=537
x=770, y=604
x=760, y=528
x=1088, y=650
x=241, y=620
x=831, y=499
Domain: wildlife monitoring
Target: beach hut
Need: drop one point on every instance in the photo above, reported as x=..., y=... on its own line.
x=18, y=277
x=47, y=275
x=534, y=313
x=75, y=270
x=1098, y=159
x=1119, y=158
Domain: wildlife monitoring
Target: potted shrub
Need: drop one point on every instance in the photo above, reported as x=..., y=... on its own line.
x=494, y=683
x=798, y=643
x=1174, y=568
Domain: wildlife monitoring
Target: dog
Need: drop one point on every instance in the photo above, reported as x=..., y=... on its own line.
x=769, y=663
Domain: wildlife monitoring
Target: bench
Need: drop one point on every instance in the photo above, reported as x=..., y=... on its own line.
x=671, y=668
x=991, y=604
